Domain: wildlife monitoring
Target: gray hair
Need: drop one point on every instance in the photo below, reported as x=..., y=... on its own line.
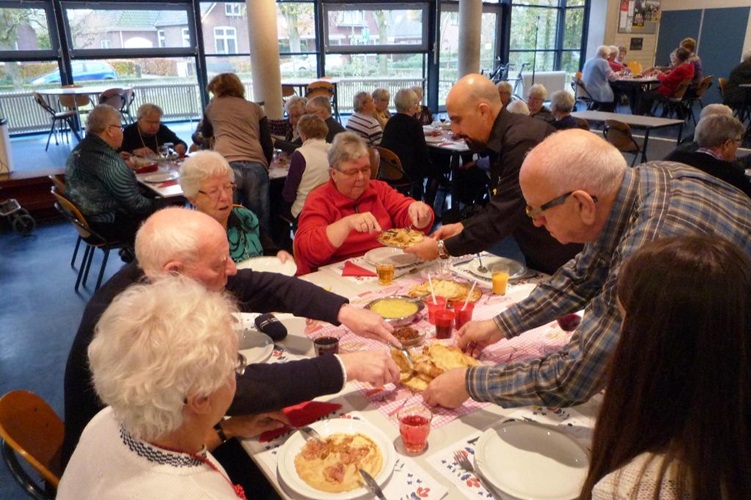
x=603, y=51
x=312, y=127
x=381, y=94
x=519, y=107
x=712, y=131
x=318, y=103
x=158, y=344
x=100, y=118
x=358, y=103
x=201, y=167
x=539, y=90
x=418, y=91
x=147, y=109
x=169, y=234
x=614, y=49
x=295, y=103
x=405, y=100
x=505, y=86
x=347, y=146
x=561, y=101
x=716, y=109
x=582, y=160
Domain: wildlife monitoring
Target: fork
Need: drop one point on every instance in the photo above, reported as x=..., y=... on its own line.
x=481, y=268
x=463, y=461
x=307, y=431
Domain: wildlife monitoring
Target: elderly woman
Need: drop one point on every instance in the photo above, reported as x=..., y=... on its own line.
x=518, y=107
x=342, y=218
x=404, y=136
x=535, y=99
x=144, y=137
x=164, y=359
x=612, y=55
x=561, y=105
x=362, y=122
x=504, y=91
x=597, y=75
x=309, y=164
x=207, y=181
x=241, y=134
x=669, y=80
x=423, y=114
x=295, y=108
x=381, y=99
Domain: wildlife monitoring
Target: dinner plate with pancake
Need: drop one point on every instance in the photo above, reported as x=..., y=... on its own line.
x=431, y=361
x=400, y=237
x=452, y=291
x=330, y=470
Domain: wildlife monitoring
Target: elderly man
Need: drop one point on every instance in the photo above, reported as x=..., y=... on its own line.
x=477, y=117
x=718, y=138
x=597, y=75
x=381, y=98
x=295, y=108
x=362, y=122
x=561, y=105
x=321, y=105
x=187, y=242
x=144, y=137
x=100, y=182
x=579, y=188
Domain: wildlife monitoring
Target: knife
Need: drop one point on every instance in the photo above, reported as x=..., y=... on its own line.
x=372, y=485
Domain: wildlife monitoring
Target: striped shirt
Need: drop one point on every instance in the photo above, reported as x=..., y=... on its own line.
x=367, y=127
x=655, y=200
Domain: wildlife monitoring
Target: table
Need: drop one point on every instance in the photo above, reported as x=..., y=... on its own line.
x=646, y=123
x=377, y=406
x=93, y=91
x=445, y=142
x=634, y=88
x=301, y=85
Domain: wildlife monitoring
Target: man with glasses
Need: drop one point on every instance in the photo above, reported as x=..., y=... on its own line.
x=478, y=117
x=101, y=184
x=578, y=187
x=148, y=134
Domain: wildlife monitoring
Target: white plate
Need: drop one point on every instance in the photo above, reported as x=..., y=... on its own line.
x=289, y=450
x=389, y=255
x=529, y=460
x=161, y=177
x=434, y=138
x=516, y=268
x=269, y=265
x=257, y=347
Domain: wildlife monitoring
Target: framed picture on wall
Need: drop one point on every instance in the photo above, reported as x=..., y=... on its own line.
x=639, y=16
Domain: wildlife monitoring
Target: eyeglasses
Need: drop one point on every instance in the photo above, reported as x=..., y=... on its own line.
x=242, y=362
x=118, y=126
x=365, y=171
x=534, y=213
x=215, y=193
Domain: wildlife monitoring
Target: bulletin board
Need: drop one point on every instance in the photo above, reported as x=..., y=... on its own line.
x=639, y=16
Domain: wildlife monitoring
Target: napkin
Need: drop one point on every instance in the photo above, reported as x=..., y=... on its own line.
x=351, y=269
x=299, y=415
x=147, y=169
x=165, y=184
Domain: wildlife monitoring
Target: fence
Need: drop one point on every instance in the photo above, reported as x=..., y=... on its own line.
x=180, y=101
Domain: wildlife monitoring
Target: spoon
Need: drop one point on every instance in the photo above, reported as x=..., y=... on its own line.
x=481, y=268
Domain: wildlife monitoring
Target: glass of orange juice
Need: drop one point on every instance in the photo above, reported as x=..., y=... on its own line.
x=500, y=273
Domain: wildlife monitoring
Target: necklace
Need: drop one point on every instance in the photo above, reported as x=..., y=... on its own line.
x=156, y=142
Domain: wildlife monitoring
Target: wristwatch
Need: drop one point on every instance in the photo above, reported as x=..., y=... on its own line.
x=442, y=252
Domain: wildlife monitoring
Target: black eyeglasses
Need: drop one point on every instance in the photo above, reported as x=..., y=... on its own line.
x=214, y=194
x=534, y=213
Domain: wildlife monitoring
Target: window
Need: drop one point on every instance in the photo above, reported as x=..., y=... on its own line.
x=225, y=40
x=233, y=9
x=186, y=37
x=349, y=27
x=160, y=38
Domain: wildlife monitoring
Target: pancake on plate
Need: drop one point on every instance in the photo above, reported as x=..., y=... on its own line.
x=434, y=360
x=332, y=464
x=450, y=290
x=400, y=238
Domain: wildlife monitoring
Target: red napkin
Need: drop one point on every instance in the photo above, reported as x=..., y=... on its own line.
x=168, y=183
x=351, y=269
x=299, y=415
x=148, y=169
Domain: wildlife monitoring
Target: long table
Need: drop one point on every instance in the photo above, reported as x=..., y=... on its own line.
x=446, y=143
x=434, y=472
x=646, y=123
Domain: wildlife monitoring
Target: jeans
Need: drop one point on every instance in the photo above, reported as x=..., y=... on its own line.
x=252, y=190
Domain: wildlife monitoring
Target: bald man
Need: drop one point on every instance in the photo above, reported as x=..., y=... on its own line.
x=478, y=117
x=188, y=242
x=578, y=187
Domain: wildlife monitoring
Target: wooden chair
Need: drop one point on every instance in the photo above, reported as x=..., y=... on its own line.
x=59, y=119
x=580, y=91
x=92, y=239
x=701, y=89
x=326, y=88
x=375, y=162
x=391, y=171
x=619, y=135
x=30, y=429
x=582, y=123
x=115, y=98
x=674, y=105
x=722, y=83
x=58, y=181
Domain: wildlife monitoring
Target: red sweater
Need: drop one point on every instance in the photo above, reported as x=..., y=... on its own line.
x=326, y=205
x=669, y=81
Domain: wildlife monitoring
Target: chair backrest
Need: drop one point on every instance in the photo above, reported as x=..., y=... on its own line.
x=113, y=97
x=582, y=123
x=34, y=431
x=43, y=103
x=58, y=181
x=634, y=67
x=580, y=90
x=375, y=162
x=320, y=87
x=681, y=89
x=721, y=85
x=390, y=166
x=619, y=135
x=70, y=210
x=73, y=101
x=288, y=91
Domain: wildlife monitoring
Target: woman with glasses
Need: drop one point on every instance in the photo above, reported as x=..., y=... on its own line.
x=342, y=218
x=164, y=359
x=207, y=181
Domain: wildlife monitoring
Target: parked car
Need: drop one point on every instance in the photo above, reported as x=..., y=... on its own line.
x=82, y=70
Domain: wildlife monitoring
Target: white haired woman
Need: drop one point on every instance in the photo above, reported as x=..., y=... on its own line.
x=295, y=108
x=207, y=181
x=381, y=99
x=362, y=122
x=535, y=102
x=164, y=359
x=423, y=114
x=597, y=76
x=342, y=218
x=561, y=105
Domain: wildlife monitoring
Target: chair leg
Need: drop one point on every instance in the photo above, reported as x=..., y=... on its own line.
x=75, y=253
x=88, y=265
x=52, y=129
x=21, y=476
x=82, y=269
x=102, y=267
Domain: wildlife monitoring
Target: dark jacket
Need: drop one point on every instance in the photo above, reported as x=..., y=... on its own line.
x=404, y=136
x=513, y=135
x=132, y=140
x=334, y=128
x=723, y=170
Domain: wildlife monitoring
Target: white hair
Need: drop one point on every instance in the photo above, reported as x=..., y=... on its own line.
x=714, y=130
x=539, y=90
x=156, y=345
x=201, y=167
x=101, y=117
x=603, y=51
x=716, y=108
x=347, y=146
x=295, y=102
x=405, y=100
x=358, y=102
x=561, y=101
x=519, y=107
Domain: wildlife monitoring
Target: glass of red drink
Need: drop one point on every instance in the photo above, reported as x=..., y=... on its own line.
x=444, y=323
x=414, y=426
x=463, y=315
x=433, y=306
